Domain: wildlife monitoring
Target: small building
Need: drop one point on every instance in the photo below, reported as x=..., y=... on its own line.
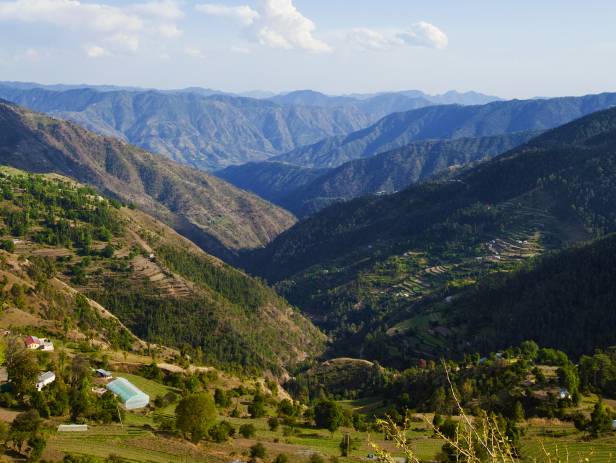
x=32, y=342
x=564, y=394
x=44, y=379
x=129, y=394
x=613, y=424
x=72, y=428
x=101, y=373
x=99, y=391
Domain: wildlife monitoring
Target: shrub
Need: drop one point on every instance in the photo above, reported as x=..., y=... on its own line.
x=258, y=451
x=248, y=430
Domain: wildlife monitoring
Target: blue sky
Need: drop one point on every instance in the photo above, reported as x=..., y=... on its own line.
x=508, y=48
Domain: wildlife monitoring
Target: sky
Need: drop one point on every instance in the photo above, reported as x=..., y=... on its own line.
x=513, y=49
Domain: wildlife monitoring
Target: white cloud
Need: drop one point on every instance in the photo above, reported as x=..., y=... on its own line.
x=243, y=14
x=281, y=25
x=165, y=10
x=369, y=39
x=121, y=28
x=421, y=34
x=94, y=51
x=274, y=23
x=424, y=34
x=70, y=13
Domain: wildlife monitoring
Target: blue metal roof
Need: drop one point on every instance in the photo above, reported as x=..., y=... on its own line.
x=127, y=391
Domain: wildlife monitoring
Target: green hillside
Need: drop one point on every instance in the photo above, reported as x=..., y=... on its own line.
x=361, y=268
x=159, y=285
x=215, y=215
x=304, y=190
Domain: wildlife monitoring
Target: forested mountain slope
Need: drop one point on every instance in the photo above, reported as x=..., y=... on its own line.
x=360, y=268
x=73, y=248
x=544, y=301
x=447, y=121
x=209, y=211
x=304, y=190
x=273, y=181
x=209, y=132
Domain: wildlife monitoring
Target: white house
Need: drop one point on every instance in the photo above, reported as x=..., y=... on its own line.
x=44, y=379
x=564, y=394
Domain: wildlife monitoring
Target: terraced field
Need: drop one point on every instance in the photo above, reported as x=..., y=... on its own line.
x=129, y=442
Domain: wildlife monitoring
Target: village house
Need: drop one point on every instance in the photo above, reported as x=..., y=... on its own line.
x=32, y=342
x=101, y=373
x=35, y=343
x=44, y=379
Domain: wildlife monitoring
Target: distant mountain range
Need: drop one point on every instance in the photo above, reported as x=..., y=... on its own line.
x=305, y=190
x=378, y=105
x=212, y=213
x=207, y=132
x=444, y=122
x=382, y=274
x=403, y=148
x=207, y=128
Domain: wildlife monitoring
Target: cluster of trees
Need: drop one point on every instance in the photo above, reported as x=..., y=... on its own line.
x=598, y=372
x=55, y=212
x=219, y=323
x=564, y=300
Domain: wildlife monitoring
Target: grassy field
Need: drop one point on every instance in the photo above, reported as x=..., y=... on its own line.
x=138, y=442
x=569, y=445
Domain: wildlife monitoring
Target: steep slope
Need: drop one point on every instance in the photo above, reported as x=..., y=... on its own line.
x=209, y=132
x=212, y=213
x=440, y=122
x=270, y=180
x=304, y=190
x=158, y=284
x=565, y=300
x=394, y=170
x=361, y=268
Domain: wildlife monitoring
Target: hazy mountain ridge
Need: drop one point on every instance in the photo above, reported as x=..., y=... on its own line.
x=447, y=122
x=211, y=212
x=208, y=132
x=304, y=191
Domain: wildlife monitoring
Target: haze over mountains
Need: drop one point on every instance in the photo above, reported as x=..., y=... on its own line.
x=445, y=122
x=210, y=129
x=404, y=148
x=305, y=190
